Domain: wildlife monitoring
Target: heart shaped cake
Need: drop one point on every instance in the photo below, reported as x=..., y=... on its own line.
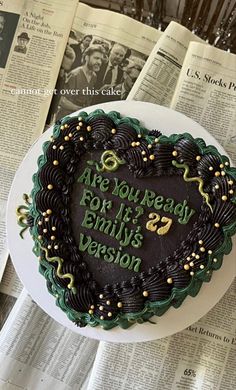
x=127, y=222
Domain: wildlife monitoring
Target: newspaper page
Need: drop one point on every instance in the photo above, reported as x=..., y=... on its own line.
x=33, y=36
x=157, y=81
x=104, y=56
x=38, y=353
x=206, y=91
x=202, y=357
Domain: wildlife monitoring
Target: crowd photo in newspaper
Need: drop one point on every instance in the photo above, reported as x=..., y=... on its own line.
x=76, y=57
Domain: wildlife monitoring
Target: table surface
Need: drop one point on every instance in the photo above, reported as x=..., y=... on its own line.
x=26, y=264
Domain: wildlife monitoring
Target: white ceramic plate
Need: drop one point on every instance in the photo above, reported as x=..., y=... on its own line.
x=26, y=263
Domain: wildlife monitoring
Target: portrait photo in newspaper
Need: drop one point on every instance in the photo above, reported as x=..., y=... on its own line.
x=94, y=70
x=8, y=24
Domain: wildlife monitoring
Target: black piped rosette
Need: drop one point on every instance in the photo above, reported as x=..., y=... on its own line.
x=146, y=154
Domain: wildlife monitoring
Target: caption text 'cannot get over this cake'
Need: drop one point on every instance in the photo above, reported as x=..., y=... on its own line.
x=127, y=222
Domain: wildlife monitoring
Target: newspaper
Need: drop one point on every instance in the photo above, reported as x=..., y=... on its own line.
x=206, y=91
x=157, y=81
x=102, y=59
x=202, y=357
x=32, y=39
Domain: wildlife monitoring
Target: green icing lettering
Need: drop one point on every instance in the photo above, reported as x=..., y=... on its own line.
x=124, y=191
x=128, y=234
x=104, y=186
x=138, y=238
x=125, y=260
x=88, y=219
x=109, y=256
x=106, y=205
x=169, y=205
x=120, y=212
x=101, y=249
x=158, y=204
x=86, y=197
x=187, y=215
x=96, y=180
x=179, y=208
x=135, y=263
x=117, y=259
x=134, y=197
x=118, y=186
x=85, y=177
x=92, y=248
x=83, y=244
x=102, y=224
x=95, y=203
x=148, y=198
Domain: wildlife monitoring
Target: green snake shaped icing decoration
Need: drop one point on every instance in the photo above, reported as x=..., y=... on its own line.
x=22, y=213
x=110, y=162
x=191, y=179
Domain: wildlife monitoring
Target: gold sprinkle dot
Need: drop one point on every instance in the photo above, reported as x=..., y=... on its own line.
x=215, y=260
x=200, y=242
x=70, y=135
x=45, y=230
x=109, y=314
x=191, y=264
x=53, y=238
x=149, y=146
x=55, y=162
x=169, y=280
x=145, y=293
x=209, y=252
x=46, y=219
x=119, y=304
x=62, y=127
x=145, y=159
x=191, y=273
x=231, y=191
x=66, y=138
x=133, y=144
x=54, y=147
x=54, y=229
x=224, y=198
x=188, y=258
x=92, y=307
x=217, y=186
x=197, y=257
x=221, y=166
x=113, y=131
x=108, y=302
x=174, y=153
x=198, y=158
x=143, y=152
x=217, y=225
x=230, y=182
x=61, y=147
x=217, y=173
x=80, y=118
x=66, y=125
x=193, y=254
x=40, y=237
x=202, y=249
x=101, y=296
x=137, y=143
x=101, y=308
x=49, y=246
x=211, y=168
x=44, y=214
x=186, y=267
x=49, y=211
x=50, y=186
x=56, y=247
x=90, y=311
x=40, y=222
x=101, y=318
x=152, y=157
x=81, y=138
x=77, y=127
x=227, y=163
x=80, y=124
x=222, y=173
x=156, y=140
x=139, y=135
x=89, y=128
x=202, y=266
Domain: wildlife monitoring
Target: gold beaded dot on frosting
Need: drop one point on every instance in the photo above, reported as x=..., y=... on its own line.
x=224, y=198
x=56, y=247
x=50, y=186
x=193, y=254
x=149, y=146
x=108, y=302
x=101, y=317
x=40, y=223
x=156, y=140
x=145, y=293
x=66, y=138
x=78, y=128
x=217, y=186
x=55, y=162
x=197, y=257
x=100, y=296
x=143, y=152
x=202, y=266
x=169, y=280
x=80, y=124
x=200, y=242
x=90, y=311
x=101, y=308
x=198, y=158
x=202, y=249
x=145, y=159
x=191, y=273
x=174, y=153
x=109, y=314
x=152, y=157
x=54, y=147
x=113, y=131
x=139, y=135
x=186, y=267
x=44, y=214
x=49, y=246
x=80, y=118
x=49, y=211
x=133, y=144
x=46, y=219
x=62, y=127
x=226, y=163
x=215, y=260
x=222, y=173
x=209, y=252
x=70, y=135
x=231, y=191
x=119, y=304
x=217, y=225
x=45, y=230
x=230, y=182
x=137, y=143
x=54, y=228
x=92, y=307
x=66, y=125
x=191, y=264
x=211, y=168
x=53, y=238
x=89, y=128
x=217, y=173
x=188, y=258
x=81, y=138
x=221, y=166
x=40, y=237
x=61, y=147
